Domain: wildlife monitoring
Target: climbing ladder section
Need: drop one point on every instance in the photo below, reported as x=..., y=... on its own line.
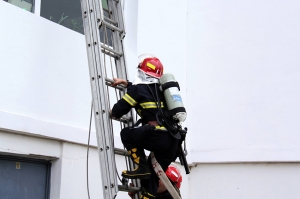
x=104, y=32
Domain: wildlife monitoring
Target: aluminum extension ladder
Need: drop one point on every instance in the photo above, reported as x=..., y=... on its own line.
x=104, y=32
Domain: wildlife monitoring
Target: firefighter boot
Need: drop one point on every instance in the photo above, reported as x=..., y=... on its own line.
x=142, y=171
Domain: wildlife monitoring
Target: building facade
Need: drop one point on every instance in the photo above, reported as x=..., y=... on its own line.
x=238, y=67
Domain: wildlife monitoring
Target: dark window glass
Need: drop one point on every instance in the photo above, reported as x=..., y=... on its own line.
x=106, y=35
x=64, y=12
x=24, y=4
x=24, y=178
x=68, y=13
x=104, y=4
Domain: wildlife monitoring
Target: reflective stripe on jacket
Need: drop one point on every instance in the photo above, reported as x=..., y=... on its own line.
x=139, y=97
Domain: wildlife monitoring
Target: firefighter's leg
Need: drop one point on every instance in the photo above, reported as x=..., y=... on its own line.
x=149, y=186
x=142, y=170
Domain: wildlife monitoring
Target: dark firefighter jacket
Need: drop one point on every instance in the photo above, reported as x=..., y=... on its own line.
x=143, y=97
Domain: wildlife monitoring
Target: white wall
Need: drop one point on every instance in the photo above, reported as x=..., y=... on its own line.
x=246, y=63
x=44, y=79
x=241, y=66
x=245, y=181
x=220, y=181
x=43, y=69
x=162, y=32
x=131, y=27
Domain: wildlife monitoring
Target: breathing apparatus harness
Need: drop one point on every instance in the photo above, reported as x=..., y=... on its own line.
x=173, y=127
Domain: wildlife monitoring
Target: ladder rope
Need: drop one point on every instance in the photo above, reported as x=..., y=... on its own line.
x=88, y=150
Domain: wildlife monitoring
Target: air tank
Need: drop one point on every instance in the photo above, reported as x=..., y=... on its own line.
x=171, y=90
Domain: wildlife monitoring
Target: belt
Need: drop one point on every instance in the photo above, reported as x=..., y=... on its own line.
x=157, y=127
x=160, y=128
x=153, y=123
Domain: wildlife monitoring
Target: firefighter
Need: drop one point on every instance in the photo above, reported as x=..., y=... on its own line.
x=174, y=175
x=143, y=95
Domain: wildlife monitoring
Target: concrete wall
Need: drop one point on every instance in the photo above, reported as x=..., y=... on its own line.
x=245, y=181
x=238, y=64
x=246, y=102
x=40, y=74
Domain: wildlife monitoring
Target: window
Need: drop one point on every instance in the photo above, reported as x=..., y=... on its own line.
x=63, y=12
x=24, y=4
x=67, y=13
x=105, y=33
x=24, y=178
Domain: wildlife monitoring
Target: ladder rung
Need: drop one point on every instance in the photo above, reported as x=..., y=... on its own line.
x=123, y=119
x=110, y=81
x=117, y=87
x=111, y=50
x=128, y=188
x=111, y=21
x=121, y=152
x=110, y=54
x=112, y=27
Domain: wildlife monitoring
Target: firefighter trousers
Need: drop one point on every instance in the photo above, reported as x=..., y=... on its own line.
x=160, y=142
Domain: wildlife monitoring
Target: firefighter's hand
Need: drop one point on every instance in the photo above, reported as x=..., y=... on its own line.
x=131, y=194
x=118, y=81
x=111, y=116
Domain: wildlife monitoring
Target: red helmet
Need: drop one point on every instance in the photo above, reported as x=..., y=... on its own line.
x=174, y=175
x=151, y=65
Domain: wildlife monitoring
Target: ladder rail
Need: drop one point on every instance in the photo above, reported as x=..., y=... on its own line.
x=106, y=107
x=121, y=65
x=163, y=177
x=100, y=103
x=98, y=54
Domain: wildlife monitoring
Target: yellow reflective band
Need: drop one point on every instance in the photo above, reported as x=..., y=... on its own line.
x=160, y=128
x=151, y=105
x=139, y=111
x=137, y=160
x=129, y=99
x=151, y=66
